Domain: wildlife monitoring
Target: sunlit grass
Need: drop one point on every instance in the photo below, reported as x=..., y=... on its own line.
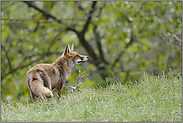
x=153, y=99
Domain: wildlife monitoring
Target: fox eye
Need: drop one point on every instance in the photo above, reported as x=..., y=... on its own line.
x=77, y=55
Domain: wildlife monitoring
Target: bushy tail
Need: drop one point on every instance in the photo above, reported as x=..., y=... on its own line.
x=38, y=89
x=44, y=91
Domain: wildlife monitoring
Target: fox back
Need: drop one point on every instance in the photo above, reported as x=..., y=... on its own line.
x=43, y=78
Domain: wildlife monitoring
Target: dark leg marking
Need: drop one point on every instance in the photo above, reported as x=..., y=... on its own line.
x=31, y=93
x=59, y=89
x=45, y=79
x=53, y=70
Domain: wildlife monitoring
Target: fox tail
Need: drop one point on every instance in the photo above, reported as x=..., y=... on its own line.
x=37, y=89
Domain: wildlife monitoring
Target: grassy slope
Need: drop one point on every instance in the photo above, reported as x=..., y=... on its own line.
x=153, y=99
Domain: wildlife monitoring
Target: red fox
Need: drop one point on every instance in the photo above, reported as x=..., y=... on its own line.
x=43, y=78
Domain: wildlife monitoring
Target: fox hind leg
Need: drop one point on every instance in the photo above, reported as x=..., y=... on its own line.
x=31, y=93
x=32, y=96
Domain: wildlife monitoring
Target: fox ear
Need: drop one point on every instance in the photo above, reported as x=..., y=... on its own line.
x=67, y=50
x=72, y=47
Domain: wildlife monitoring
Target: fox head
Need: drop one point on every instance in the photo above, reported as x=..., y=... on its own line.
x=72, y=57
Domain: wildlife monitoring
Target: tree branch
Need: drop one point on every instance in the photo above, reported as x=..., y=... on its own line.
x=79, y=6
x=6, y=53
x=82, y=39
x=42, y=54
x=34, y=61
x=20, y=67
x=72, y=28
x=89, y=17
x=54, y=40
x=123, y=51
x=45, y=13
x=97, y=38
x=81, y=34
x=88, y=48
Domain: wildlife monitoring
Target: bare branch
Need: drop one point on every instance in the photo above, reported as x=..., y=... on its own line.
x=25, y=20
x=89, y=17
x=42, y=54
x=72, y=28
x=26, y=65
x=77, y=81
x=45, y=13
x=20, y=67
x=123, y=51
x=7, y=56
x=54, y=40
x=79, y=6
x=88, y=48
x=98, y=41
x=37, y=26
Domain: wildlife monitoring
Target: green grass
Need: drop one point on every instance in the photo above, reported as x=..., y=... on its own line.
x=156, y=99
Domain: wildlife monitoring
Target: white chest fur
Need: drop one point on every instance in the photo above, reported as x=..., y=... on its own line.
x=68, y=74
x=71, y=67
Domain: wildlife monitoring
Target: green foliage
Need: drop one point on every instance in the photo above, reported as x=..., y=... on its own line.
x=29, y=37
x=153, y=99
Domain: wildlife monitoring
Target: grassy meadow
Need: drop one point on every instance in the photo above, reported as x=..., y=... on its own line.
x=153, y=99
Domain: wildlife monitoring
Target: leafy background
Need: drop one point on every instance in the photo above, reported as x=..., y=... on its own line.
x=123, y=40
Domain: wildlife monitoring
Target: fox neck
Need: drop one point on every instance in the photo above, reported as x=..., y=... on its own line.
x=65, y=66
x=70, y=68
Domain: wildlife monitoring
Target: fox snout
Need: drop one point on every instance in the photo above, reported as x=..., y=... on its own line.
x=85, y=58
x=81, y=60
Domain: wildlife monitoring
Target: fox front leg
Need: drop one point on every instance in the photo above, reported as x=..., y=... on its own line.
x=59, y=94
x=59, y=88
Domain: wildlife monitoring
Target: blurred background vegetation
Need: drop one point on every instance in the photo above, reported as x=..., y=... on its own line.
x=123, y=40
